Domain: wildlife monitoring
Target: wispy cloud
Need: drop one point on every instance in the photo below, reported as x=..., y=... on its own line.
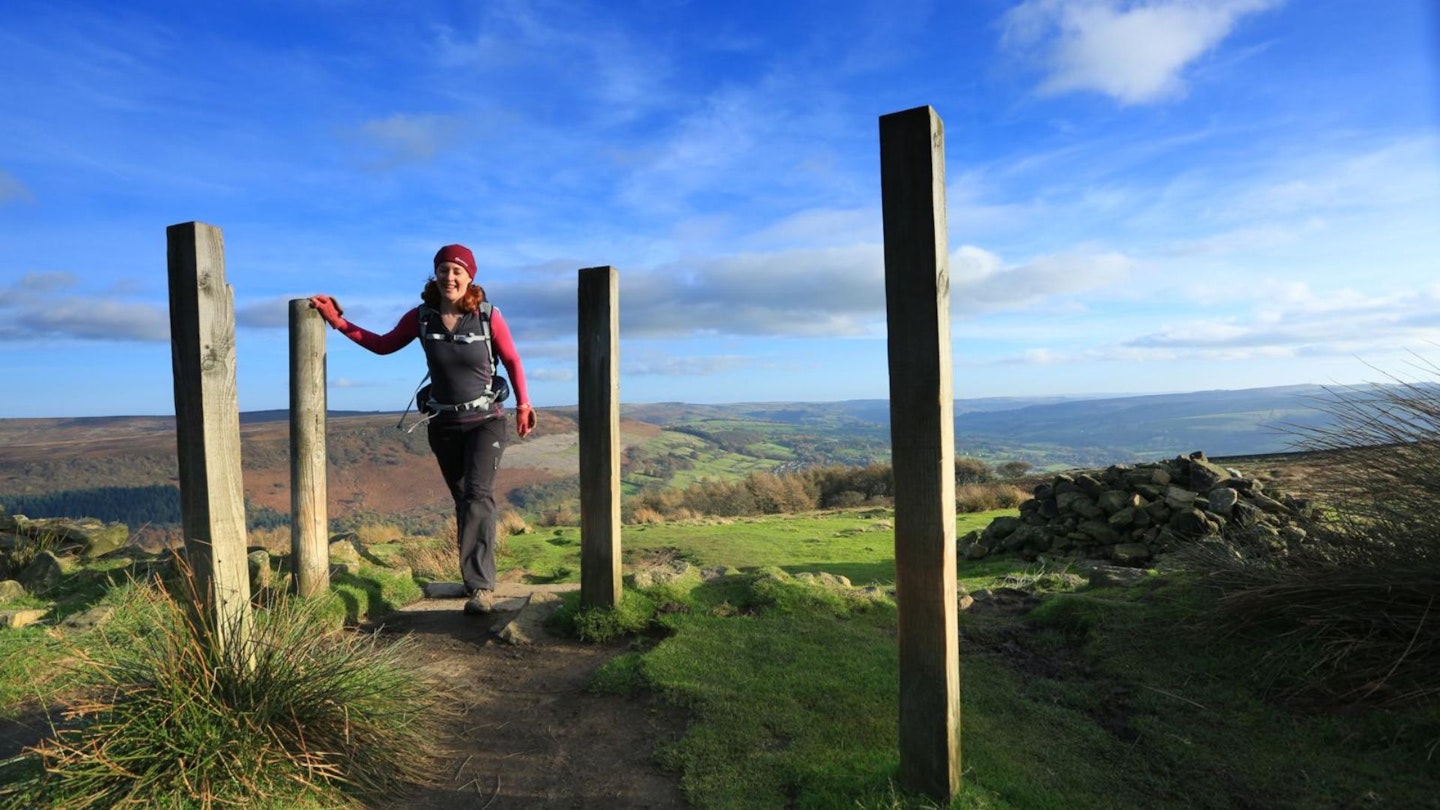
x=399, y=138
x=980, y=282
x=42, y=305
x=1134, y=52
x=12, y=190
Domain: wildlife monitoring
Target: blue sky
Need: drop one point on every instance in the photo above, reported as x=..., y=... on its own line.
x=1143, y=196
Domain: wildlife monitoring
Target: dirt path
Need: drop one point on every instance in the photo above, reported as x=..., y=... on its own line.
x=530, y=735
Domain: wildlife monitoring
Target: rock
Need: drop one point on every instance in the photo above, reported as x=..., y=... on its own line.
x=343, y=551
x=259, y=564
x=1089, y=484
x=1114, y=500
x=1189, y=523
x=1205, y=476
x=1099, y=533
x=1112, y=576
x=1177, y=497
x=1223, y=500
x=662, y=574
x=15, y=619
x=89, y=619
x=528, y=626
x=1029, y=539
x=444, y=590
x=44, y=573
x=1000, y=528
x=977, y=551
x=87, y=537
x=1128, y=553
x=965, y=601
x=832, y=580
x=1269, y=504
x=10, y=590
x=1292, y=534
x=1124, y=518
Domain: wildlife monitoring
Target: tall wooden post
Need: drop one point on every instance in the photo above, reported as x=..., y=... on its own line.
x=599, y=332
x=309, y=519
x=922, y=435
x=207, y=426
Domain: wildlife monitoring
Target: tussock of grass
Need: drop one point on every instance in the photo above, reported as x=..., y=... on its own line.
x=167, y=720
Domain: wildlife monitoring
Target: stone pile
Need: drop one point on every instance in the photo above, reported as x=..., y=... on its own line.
x=1131, y=514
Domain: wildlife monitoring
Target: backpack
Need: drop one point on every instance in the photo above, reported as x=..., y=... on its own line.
x=498, y=389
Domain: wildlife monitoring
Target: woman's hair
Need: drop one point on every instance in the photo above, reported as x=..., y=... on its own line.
x=474, y=294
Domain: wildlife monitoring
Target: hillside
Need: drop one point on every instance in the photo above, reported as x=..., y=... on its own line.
x=124, y=460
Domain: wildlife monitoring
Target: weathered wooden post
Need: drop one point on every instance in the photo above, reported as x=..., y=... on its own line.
x=599, y=333
x=922, y=436
x=207, y=427
x=309, y=518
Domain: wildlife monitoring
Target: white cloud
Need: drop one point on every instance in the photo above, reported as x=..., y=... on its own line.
x=38, y=307
x=1134, y=52
x=980, y=282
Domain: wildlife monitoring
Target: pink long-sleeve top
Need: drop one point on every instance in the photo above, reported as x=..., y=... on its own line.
x=407, y=329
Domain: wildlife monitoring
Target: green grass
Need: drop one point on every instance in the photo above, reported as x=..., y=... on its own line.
x=1094, y=699
x=859, y=544
x=157, y=716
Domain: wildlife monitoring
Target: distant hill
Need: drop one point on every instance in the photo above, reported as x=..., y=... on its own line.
x=374, y=467
x=1053, y=431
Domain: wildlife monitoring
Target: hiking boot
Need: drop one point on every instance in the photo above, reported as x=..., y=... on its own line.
x=479, y=604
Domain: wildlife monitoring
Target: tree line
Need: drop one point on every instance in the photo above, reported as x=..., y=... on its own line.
x=156, y=505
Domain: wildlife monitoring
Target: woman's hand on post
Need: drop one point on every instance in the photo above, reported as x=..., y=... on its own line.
x=329, y=309
x=524, y=420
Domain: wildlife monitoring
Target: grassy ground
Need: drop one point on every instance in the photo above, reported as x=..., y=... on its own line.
x=1075, y=698
x=1071, y=697
x=859, y=544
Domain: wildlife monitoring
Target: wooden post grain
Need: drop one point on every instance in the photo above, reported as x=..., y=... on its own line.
x=207, y=426
x=309, y=520
x=922, y=435
x=599, y=334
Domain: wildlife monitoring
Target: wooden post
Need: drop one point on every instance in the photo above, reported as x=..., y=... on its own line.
x=207, y=426
x=922, y=436
x=309, y=520
x=599, y=333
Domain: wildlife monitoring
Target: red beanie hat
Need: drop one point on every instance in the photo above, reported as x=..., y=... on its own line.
x=458, y=254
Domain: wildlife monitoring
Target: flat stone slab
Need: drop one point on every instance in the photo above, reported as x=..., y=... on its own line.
x=21, y=618
x=444, y=590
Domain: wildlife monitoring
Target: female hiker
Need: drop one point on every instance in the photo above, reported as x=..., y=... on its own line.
x=462, y=335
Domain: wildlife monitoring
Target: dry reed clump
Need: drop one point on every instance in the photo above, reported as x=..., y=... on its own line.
x=988, y=497
x=562, y=516
x=300, y=715
x=431, y=558
x=511, y=522
x=644, y=515
x=376, y=534
x=1354, y=618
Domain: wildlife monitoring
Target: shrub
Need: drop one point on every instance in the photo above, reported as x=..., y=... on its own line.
x=299, y=715
x=971, y=471
x=1349, y=617
x=510, y=522
x=643, y=515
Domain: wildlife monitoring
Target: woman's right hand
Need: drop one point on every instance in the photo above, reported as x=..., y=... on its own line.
x=329, y=309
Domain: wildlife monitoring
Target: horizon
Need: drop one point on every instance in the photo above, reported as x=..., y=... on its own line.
x=1042, y=399
x=1152, y=196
